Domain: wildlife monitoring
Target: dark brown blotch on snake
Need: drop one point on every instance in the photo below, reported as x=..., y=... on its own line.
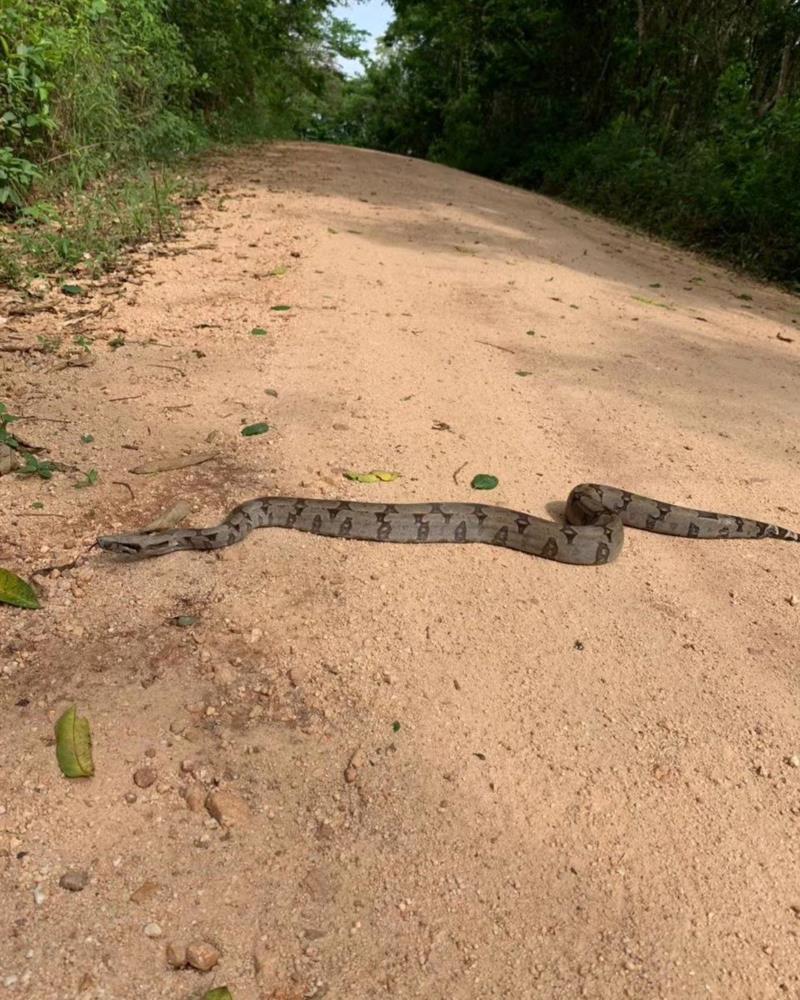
x=592, y=536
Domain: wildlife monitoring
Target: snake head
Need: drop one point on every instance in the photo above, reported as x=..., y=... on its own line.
x=121, y=544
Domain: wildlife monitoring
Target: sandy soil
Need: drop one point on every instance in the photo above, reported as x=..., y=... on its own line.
x=448, y=772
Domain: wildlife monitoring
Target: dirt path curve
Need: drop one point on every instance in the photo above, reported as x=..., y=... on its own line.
x=441, y=772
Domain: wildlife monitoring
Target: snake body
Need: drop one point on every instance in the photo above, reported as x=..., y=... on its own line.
x=591, y=536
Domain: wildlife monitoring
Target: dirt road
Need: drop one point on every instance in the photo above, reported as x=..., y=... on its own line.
x=439, y=772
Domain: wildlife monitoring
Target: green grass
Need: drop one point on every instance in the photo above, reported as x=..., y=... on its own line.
x=83, y=233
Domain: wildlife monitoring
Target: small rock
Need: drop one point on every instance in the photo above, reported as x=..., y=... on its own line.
x=153, y=930
x=39, y=895
x=130, y=797
x=227, y=808
x=350, y=775
x=145, y=892
x=9, y=460
x=195, y=797
x=175, y=954
x=202, y=956
x=86, y=983
x=225, y=675
x=296, y=676
x=74, y=879
x=793, y=600
x=144, y=777
x=794, y=760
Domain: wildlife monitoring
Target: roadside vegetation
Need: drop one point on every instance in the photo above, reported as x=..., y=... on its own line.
x=101, y=102
x=679, y=116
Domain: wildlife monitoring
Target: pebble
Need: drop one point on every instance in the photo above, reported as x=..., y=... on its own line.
x=39, y=895
x=202, y=956
x=793, y=600
x=227, y=808
x=86, y=983
x=225, y=675
x=74, y=879
x=153, y=930
x=296, y=676
x=195, y=797
x=175, y=954
x=794, y=760
x=144, y=777
x=145, y=892
x=130, y=797
x=350, y=774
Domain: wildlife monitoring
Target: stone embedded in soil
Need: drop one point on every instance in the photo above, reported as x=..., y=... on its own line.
x=296, y=676
x=145, y=892
x=144, y=777
x=175, y=954
x=74, y=879
x=227, y=808
x=152, y=930
x=195, y=798
x=202, y=956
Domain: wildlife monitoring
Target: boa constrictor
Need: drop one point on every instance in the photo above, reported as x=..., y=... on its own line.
x=592, y=535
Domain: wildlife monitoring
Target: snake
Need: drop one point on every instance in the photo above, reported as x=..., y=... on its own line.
x=591, y=535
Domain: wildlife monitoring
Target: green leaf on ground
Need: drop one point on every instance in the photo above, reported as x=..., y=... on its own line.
x=33, y=467
x=272, y=392
x=184, y=621
x=484, y=482
x=15, y=591
x=522, y=373
x=258, y=331
x=74, y=745
x=89, y=479
x=72, y=290
x=87, y=438
x=280, y=309
x=218, y=993
x=395, y=727
x=252, y=429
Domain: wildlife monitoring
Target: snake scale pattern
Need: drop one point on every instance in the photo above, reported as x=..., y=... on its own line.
x=591, y=536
